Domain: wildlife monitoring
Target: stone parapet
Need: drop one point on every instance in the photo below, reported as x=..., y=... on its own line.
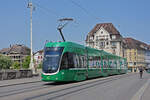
x=15, y=74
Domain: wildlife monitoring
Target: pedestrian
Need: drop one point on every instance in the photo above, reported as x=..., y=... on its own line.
x=141, y=71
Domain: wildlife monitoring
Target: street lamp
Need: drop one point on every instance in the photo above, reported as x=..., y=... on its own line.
x=31, y=53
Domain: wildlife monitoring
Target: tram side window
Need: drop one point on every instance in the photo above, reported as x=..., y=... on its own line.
x=105, y=63
x=67, y=61
x=76, y=61
x=90, y=62
x=84, y=61
x=81, y=62
x=64, y=61
x=97, y=61
x=118, y=65
x=111, y=63
x=94, y=61
x=70, y=60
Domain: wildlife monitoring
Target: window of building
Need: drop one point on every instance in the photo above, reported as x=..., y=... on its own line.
x=91, y=37
x=113, y=37
x=107, y=43
x=102, y=44
x=113, y=43
x=101, y=32
x=96, y=43
x=134, y=63
x=96, y=37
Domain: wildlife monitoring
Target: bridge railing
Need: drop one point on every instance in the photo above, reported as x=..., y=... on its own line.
x=15, y=74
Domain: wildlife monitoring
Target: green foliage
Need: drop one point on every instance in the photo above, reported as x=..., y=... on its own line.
x=16, y=65
x=26, y=62
x=5, y=62
x=40, y=66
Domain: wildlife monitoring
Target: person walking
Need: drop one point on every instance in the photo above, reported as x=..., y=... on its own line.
x=141, y=71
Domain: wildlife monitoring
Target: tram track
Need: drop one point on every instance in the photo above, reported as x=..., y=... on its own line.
x=67, y=93
x=78, y=86
x=21, y=90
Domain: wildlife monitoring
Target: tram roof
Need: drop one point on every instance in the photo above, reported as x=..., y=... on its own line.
x=92, y=51
x=63, y=44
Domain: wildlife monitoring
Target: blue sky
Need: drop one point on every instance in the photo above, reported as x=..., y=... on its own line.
x=130, y=17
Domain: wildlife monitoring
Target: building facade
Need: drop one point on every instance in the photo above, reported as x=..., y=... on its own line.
x=106, y=37
x=16, y=52
x=38, y=57
x=135, y=54
x=147, y=57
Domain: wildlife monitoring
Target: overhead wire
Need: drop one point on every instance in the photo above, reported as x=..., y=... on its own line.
x=84, y=10
x=54, y=13
x=46, y=9
x=49, y=11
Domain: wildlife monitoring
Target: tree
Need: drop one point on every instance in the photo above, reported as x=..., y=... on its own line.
x=26, y=62
x=16, y=65
x=5, y=62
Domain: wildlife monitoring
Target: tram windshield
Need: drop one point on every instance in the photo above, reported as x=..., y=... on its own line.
x=51, y=59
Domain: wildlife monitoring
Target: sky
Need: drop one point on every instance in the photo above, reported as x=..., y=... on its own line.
x=130, y=17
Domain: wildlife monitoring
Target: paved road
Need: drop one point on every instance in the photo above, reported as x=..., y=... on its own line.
x=5, y=83
x=120, y=87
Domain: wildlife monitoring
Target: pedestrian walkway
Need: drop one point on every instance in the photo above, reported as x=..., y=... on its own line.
x=146, y=94
x=143, y=92
x=19, y=81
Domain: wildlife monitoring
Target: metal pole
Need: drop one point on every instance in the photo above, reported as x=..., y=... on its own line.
x=60, y=27
x=31, y=61
x=61, y=34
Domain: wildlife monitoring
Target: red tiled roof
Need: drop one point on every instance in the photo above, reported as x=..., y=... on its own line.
x=20, y=49
x=4, y=50
x=109, y=27
x=134, y=44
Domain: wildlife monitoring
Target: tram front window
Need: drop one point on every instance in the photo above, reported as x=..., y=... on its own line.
x=51, y=59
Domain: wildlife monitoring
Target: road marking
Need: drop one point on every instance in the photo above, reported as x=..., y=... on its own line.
x=139, y=94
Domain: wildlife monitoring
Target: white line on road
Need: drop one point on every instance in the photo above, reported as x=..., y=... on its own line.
x=139, y=94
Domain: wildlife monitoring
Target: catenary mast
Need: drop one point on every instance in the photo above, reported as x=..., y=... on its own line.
x=31, y=53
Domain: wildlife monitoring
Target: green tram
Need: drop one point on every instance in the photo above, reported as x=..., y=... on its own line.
x=67, y=61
